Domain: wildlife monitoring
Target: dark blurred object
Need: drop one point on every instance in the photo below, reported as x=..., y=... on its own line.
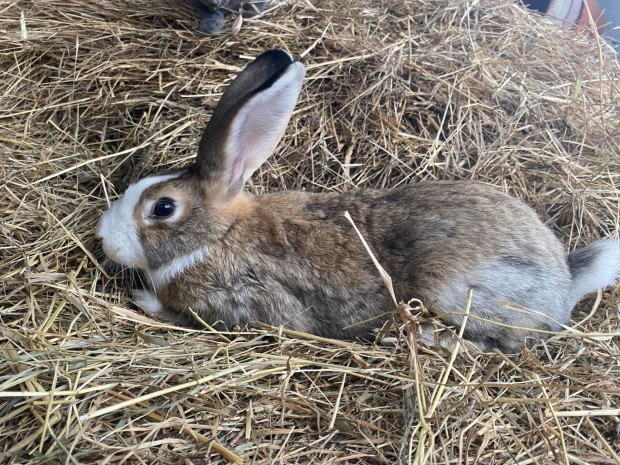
x=213, y=12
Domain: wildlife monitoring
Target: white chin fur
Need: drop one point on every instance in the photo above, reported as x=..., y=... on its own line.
x=117, y=227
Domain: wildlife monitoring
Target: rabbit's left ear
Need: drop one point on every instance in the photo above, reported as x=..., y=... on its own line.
x=248, y=123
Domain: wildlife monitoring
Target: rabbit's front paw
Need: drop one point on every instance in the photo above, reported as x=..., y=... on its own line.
x=148, y=302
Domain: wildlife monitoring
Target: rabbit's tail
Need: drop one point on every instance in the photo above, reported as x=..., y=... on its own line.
x=594, y=266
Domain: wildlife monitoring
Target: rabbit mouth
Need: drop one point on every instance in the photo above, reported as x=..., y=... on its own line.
x=108, y=264
x=123, y=255
x=120, y=275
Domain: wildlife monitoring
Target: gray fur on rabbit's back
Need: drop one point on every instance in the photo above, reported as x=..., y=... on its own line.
x=305, y=267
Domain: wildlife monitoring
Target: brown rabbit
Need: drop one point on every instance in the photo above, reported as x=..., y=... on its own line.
x=293, y=259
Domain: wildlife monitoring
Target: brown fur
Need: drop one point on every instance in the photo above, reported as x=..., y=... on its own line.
x=293, y=259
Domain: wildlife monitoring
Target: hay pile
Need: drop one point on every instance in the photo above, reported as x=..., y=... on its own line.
x=96, y=94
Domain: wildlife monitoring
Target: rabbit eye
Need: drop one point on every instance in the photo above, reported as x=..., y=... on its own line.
x=163, y=208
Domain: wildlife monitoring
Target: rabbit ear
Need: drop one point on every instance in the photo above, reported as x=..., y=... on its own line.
x=248, y=123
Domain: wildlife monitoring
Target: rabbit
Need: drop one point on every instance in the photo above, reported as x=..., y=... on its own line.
x=291, y=258
x=213, y=12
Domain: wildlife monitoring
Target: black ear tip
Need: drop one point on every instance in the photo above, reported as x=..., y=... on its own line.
x=264, y=70
x=276, y=57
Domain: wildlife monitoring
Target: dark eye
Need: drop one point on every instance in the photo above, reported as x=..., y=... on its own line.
x=163, y=208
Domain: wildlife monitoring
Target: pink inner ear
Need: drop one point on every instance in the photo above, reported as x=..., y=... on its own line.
x=235, y=170
x=258, y=125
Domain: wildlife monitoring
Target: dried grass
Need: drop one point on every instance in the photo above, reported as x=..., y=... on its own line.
x=95, y=94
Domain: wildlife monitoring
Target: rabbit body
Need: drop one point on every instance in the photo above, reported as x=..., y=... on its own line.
x=293, y=259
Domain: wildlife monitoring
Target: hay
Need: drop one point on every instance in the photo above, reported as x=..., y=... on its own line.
x=96, y=94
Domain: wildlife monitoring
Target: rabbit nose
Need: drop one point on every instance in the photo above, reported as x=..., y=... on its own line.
x=102, y=224
x=98, y=228
x=104, y=221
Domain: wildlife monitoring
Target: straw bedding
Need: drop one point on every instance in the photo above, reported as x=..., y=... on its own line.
x=96, y=94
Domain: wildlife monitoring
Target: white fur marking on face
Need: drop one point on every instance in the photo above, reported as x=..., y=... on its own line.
x=166, y=273
x=118, y=229
x=148, y=302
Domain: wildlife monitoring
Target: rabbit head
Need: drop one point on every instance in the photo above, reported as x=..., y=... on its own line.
x=174, y=214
